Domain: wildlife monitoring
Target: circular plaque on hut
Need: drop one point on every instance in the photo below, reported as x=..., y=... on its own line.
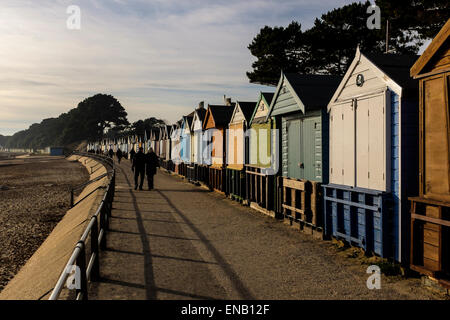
x=359, y=80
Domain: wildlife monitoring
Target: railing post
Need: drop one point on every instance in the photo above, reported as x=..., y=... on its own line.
x=81, y=264
x=95, y=271
x=71, y=197
x=103, y=227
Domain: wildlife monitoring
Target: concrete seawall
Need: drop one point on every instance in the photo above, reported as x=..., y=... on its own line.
x=38, y=276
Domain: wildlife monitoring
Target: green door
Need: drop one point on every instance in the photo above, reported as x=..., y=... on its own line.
x=312, y=148
x=295, y=161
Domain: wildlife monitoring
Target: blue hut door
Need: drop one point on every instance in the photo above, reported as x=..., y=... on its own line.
x=295, y=159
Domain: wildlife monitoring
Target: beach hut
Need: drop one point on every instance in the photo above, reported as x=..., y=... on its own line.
x=299, y=107
x=260, y=183
x=198, y=147
x=215, y=124
x=237, y=149
x=430, y=211
x=175, y=150
x=130, y=143
x=162, y=142
x=373, y=154
x=154, y=137
x=185, y=143
x=165, y=159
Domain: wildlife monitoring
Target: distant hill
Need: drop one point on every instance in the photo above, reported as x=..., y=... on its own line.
x=85, y=122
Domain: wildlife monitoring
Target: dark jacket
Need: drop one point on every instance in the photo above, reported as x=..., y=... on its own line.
x=152, y=162
x=132, y=153
x=139, y=161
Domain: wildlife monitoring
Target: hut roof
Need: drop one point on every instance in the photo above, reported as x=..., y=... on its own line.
x=432, y=50
x=247, y=109
x=314, y=90
x=396, y=67
x=221, y=114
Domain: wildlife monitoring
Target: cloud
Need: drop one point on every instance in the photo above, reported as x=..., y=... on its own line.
x=159, y=58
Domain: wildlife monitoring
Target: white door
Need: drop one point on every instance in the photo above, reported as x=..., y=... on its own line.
x=371, y=143
x=342, y=144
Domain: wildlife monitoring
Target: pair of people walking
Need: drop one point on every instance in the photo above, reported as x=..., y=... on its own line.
x=144, y=164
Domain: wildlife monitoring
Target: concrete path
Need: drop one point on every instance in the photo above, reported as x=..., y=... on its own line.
x=184, y=242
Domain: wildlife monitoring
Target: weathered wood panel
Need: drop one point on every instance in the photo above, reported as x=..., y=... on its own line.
x=435, y=138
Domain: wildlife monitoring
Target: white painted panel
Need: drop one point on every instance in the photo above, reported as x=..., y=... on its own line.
x=262, y=110
x=238, y=116
x=336, y=146
x=348, y=144
x=342, y=145
x=377, y=143
x=197, y=124
x=371, y=81
x=362, y=143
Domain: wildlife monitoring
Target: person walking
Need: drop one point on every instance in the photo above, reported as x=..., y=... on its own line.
x=119, y=155
x=138, y=167
x=151, y=163
x=132, y=153
x=111, y=153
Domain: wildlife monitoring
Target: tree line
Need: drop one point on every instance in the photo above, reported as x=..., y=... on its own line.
x=328, y=47
x=94, y=118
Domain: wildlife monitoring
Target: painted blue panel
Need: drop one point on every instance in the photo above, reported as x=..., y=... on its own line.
x=395, y=174
x=56, y=151
x=356, y=223
x=410, y=166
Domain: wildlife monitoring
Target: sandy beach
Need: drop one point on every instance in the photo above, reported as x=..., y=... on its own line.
x=34, y=196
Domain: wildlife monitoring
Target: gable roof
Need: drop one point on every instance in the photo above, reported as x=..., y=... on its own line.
x=154, y=134
x=267, y=98
x=221, y=114
x=396, y=66
x=162, y=132
x=246, y=108
x=309, y=91
x=431, y=51
x=200, y=113
x=393, y=69
x=186, y=121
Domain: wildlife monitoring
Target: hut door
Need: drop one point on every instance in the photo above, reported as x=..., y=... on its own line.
x=295, y=161
x=342, y=145
x=371, y=143
x=311, y=126
x=435, y=137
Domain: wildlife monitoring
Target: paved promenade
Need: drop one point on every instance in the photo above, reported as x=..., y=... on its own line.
x=184, y=242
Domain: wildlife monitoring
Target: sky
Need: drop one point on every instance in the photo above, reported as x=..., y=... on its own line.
x=159, y=58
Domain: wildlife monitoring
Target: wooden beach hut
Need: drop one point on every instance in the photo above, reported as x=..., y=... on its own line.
x=198, y=147
x=154, y=138
x=237, y=149
x=430, y=211
x=373, y=154
x=175, y=150
x=215, y=124
x=185, y=143
x=299, y=106
x=260, y=182
x=163, y=142
x=166, y=160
